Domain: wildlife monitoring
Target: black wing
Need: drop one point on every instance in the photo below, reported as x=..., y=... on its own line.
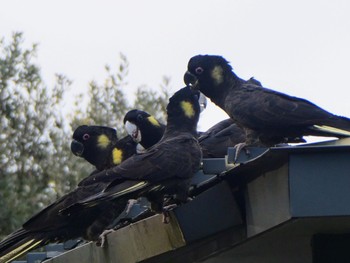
x=257, y=107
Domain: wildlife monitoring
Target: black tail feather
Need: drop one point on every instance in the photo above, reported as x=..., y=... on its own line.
x=18, y=243
x=339, y=122
x=333, y=131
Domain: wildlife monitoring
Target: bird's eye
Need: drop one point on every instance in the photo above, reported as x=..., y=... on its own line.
x=199, y=70
x=139, y=117
x=86, y=136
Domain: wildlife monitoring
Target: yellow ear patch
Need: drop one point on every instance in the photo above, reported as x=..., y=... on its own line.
x=153, y=120
x=103, y=141
x=217, y=75
x=117, y=156
x=187, y=107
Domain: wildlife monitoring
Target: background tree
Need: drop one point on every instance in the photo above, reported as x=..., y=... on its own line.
x=108, y=104
x=31, y=155
x=154, y=102
x=36, y=165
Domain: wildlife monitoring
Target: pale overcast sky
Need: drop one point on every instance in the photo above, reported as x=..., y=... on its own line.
x=298, y=47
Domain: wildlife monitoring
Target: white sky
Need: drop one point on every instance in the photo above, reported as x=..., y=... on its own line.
x=298, y=47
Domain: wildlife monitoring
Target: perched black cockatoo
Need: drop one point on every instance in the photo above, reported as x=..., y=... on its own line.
x=147, y=130
x=163, y=169
x=100, y=146
x=143, y=128
x=267, y=116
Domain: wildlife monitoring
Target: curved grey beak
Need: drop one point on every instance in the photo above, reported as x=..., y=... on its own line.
x=77, y=148
x=190, y=80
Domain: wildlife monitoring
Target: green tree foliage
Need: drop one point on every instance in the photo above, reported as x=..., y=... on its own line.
x=154, y=102
x=36, y=165
x=108, y=104
x=32, y=137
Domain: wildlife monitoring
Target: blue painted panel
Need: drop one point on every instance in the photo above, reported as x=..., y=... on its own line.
x=319, y=184
x=210, y=212
x=214, y=165
x=35, y=257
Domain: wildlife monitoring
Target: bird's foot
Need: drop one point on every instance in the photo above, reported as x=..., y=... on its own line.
x=166, y=214
x=102, y=240
x=130, y=204
x=166, y=217
x=189, y=199
x=238, y=148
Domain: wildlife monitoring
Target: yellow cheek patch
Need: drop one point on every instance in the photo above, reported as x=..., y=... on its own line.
x=117, y=156
x=187, y=107
x=217, y=75
x=103, y=141
x=153, y=120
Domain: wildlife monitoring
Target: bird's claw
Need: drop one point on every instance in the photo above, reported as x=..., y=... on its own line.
x=238, y=148
x=166, y=217
x=166, y=214
x=130, y=204
x=102, y=240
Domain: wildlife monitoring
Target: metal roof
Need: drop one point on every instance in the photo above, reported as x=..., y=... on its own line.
x=267, y=207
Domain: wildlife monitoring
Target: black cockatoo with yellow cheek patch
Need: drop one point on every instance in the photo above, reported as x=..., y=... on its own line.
x=268, y=117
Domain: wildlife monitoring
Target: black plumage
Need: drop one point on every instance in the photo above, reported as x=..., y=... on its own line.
x=143, y=127
x=50, y=226
x=215, y=141
x=164, y=169
x=267, y=116
x=99, y=145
